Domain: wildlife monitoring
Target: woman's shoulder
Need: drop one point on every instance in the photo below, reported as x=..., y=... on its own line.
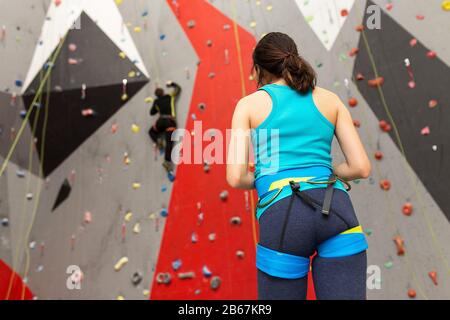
x=256, y=98
x=324, y=93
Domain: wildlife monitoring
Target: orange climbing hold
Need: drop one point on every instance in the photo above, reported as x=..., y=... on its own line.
x=407, y=209
x=400, y=245
x=378, y=155
x=385, y=126
x=412, y=293
x=433, y=276
x=385, y=184
x=377, y=82
x=352, y=102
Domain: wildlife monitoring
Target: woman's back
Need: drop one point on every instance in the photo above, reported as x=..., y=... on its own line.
x=290, y=130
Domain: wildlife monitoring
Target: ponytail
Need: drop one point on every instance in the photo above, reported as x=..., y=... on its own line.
x=276, y=56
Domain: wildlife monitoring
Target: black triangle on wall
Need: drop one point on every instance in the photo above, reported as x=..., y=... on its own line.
x=102, y=70
x=390, y=46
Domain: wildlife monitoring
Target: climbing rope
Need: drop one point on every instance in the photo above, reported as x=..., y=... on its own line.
x=44, y=81
x=244, y=93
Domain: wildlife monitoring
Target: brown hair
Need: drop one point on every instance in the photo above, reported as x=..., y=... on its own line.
x=276, y=56
x=159, y=92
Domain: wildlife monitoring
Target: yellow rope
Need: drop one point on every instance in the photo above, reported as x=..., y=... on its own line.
x=38, y=95
x=244, y=93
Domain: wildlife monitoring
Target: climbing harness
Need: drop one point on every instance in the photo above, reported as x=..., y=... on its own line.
x=288, y=266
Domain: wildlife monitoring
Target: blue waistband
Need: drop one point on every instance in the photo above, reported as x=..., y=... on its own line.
x=263, y=183
x=281, y=265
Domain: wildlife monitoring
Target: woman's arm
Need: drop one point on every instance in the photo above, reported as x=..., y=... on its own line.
x=238, y=175
x=357, y=164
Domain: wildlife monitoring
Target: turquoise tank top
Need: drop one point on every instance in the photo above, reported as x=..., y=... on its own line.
x=295, y=135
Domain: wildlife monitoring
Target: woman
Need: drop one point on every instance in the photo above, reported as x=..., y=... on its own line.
x=303, y=204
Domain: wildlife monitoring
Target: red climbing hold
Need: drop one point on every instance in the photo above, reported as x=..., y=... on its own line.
x=432, y=104
x=344, y=12
x=385, y=126
x=356, y=123
x=431, y=54
x=400, y=245
x=359, y=28
x=385, y=184
x=407, y=209
x=433, y=276
x=376, y=82
x=413, y=42
x=360, y=77
x=353, y=102
x=353, y=52
x=378, y=155
x=389, y=6
x=412, y=293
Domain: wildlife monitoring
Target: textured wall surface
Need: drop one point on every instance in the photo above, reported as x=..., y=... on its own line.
x=40, y=243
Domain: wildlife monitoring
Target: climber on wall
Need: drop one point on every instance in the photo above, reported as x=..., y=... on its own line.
x=166, y=123
x=313, y=211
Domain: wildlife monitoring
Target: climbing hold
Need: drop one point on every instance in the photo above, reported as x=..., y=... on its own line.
x=215, y=282
x=128, y=216
x=163, y=277
x=378, y=155
x=171, y=176
x=164, y=212
x=407, y=209
x=206, y=272
x=359, y=28
x=353, y=102
x=353, y=52
x=29, y=196
x=385, y=184
x=206, y=167
x=400, y=245
x=357, y=123
x=211, y=75
x=360, y=77
x=224, y=195
x=136, y=185
x=87, y=217
x=434, y=148
x=87, y=112
x=122, y=262
x=420, y=17
x=191, y=24
x=368, y=231
x=194, y=237
x=136, y=278
x=425, y=131
x=120, y=297
x=176, y=264
x=20, y=173
x=186, y=275
x=5, y=222
x=122, y=55
x=240, y=254
x=201, y=106
x=445, y=5
x=433, y=276
x=388, y=264
x=431, y=54
x=209, y=43
x=344, y=12
x=385, y=126
x=432, y=104
x=135, y=128
x=377, y=82
x=412, y=293
x=235, y=221
x=137, y=228
x=212, y=236
x=32, y=245
x=19, y=83
x=145, y=292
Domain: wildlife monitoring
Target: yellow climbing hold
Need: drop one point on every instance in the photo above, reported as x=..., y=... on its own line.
x=446, y=5
x=253, y=24
x=136, y=185
x=122, y=261
x=269, y=8
x=146, y=292
x=124, y=97
x=131, y=74
x=137, y=228
x=137, y=29
x=148, y=100
x=122, y=55
x=120, y=297
x=128, y=216
x=119, y=2
x=135, y=128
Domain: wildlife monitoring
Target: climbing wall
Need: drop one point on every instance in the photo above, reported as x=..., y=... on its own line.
x=102, y=201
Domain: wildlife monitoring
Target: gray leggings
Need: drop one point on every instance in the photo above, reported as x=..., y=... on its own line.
x=334, y=278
